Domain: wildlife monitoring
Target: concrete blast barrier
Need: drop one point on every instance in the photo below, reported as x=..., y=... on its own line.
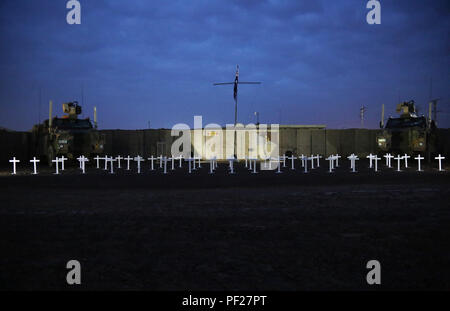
x=318, y=142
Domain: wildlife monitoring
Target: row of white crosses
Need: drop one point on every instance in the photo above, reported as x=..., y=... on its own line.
x=333, y=162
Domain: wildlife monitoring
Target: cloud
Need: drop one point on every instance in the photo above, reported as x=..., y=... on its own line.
x=156, y=60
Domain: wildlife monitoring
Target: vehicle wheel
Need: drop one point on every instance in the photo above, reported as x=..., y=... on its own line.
x=50, y=156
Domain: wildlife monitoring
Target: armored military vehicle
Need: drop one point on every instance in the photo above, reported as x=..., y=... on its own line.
x=408, y=133
x=67, y=136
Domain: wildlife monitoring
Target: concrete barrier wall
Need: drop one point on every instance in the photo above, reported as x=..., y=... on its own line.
x=159, y=141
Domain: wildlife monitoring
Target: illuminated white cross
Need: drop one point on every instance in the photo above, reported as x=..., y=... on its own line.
x=419, y=158
x=231, y=161
x=106, y=158
x=318, y=157
x=83, y=161
x=112, y=160
x=57, y=160
x=14, y=161
x=254, y=164
x=267, y=164
x=337, y=157
x=292, y=158
x=165, y=165
x=246, y=161
x=173, y=162
x=312, y=158
x=398, y=158
x=279, y=165
x=330, y=163
x=250, y=164
x=370, y=157
x=376, y=159
x=406, y=157
x=440, y=158
x=388, y=159
x=283, y=157
x=118, y=161
x=190, y=163
x=34, y=161
x=211, y=165
x=193, y=162
x=97, y=158
x=151, y=159
x=302, y=158
x=353, y=158
x=180, y=158
x=160, y=161
x=305, y=163
x=139, y=159
x=62, y=162
x=128, y=159
x=199, y=161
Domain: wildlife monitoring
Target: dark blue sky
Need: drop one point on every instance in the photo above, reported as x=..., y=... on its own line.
x=142, y=60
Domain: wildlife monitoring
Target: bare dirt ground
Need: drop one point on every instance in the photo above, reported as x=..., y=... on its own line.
x=290, y=231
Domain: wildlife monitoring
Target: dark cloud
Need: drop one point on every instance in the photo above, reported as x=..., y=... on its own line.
x=141, y=60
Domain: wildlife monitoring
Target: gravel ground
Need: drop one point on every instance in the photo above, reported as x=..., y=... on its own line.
x=266, y=231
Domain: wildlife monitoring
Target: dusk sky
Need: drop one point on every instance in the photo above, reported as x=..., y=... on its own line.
x=147, y=61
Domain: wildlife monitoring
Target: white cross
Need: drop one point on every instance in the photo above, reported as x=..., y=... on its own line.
x=118, y=161
x=376, y=159
x=173, y=162
x=34, y=161
x=82, y=161
x=57, y=165
x=353, y=158
x=267, y=163
x=305, y=163
x=318, y=157
x=190, y=163
x=398, y=158
x=246, y=161
x=199, y=161
x=180, y=158
x=284, y=160
x=406, y=160
x=62, y=163
x=292, y=158
x=250, y=164
x=330, y=163
x=254, y=165
x=151, y=159
x=337, y=157
x=312, y=158
x=194, y=158
x=97, y=158
x=139, y=159
x=388, y=159
x=279, y=165
x=211, y=166
x=370, y=157
x=231, y=161
x=419, y=158
x=106, y=158
x=112, y=160
x=14, y=161
x=440, y=158
x=301, y=158
x=128, y=159
x=165, y=165
x=160, y=161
